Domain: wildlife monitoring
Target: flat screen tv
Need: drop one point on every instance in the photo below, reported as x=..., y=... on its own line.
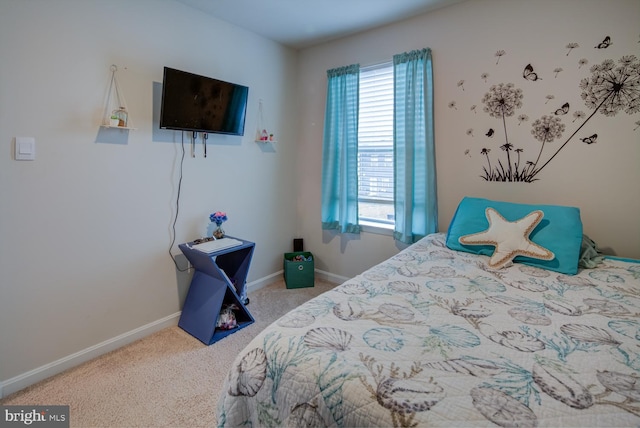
x=202, y=104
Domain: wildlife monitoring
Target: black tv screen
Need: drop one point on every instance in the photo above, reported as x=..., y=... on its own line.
x=202, y=104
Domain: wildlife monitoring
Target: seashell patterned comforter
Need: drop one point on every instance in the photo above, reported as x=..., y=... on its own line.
x=431, y=337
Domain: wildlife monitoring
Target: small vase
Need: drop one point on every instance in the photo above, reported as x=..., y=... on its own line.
x=122, y=116
x=218, y=232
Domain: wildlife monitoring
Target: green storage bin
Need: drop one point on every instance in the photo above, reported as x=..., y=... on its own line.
x=298, y=274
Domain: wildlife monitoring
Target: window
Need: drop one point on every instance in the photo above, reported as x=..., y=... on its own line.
x=378, y=158
x=375, y=145
x=385, y=147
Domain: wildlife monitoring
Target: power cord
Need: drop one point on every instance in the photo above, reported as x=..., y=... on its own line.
x=175, y=219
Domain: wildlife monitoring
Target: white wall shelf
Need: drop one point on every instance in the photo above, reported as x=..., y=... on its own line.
x=120, y=105
x=263, y=133
x=123, y=128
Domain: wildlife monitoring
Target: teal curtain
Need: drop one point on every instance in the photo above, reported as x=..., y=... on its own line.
x=416, y=208
x=340, y=151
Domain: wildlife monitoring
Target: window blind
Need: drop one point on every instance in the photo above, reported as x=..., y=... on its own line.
x=375, y=136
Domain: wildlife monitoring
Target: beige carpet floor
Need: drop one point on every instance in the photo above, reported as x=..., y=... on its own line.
x=168, y=379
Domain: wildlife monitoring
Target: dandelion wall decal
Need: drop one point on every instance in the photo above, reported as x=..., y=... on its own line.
x=517, y=165
x=608, y=90
x=507, y=147
x=502, y=100
x=522, y=118
x=452, y=104
x=461, y=84
x=611, y=89
x=487, y=172
x=577, y=115
x=571, y=46
x=547, y=128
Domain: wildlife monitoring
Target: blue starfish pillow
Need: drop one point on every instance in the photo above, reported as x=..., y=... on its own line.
x=510, y=238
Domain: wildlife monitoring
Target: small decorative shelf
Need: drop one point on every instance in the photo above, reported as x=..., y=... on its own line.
x=263, y=135
x=116, y=115
x=123, y=128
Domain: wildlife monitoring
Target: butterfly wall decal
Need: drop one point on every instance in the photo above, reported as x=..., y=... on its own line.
x=489, y=133
x=562, y=110
x=529, y=74
x=605, y=43
x=590, y=140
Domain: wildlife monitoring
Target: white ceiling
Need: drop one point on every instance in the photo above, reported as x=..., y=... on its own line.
x=303, y=23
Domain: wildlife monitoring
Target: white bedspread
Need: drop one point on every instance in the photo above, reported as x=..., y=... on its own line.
x=431, y=337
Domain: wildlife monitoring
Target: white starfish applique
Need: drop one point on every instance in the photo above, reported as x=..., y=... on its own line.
x=510, y=238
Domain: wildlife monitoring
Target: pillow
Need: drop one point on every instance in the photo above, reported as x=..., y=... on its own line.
x=510, y=239
x=560, y=231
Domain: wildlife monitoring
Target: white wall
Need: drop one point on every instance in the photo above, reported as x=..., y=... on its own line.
x=85, y=228
x=602, y=179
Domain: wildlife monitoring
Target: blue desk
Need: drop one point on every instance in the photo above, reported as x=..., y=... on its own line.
x=219, y=279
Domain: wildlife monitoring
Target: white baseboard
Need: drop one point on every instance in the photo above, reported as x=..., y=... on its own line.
x=263, y=282
x=328, y=276
x=31, y=377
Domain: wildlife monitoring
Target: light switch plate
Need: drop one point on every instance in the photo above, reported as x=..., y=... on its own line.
x=25, y=148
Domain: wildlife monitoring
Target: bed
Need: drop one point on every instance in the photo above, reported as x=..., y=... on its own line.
x=435, y=336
